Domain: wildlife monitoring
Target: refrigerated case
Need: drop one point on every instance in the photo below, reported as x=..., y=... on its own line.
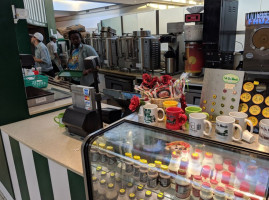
x=217, y=169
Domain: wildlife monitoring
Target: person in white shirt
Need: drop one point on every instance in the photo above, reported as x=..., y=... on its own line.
x=55, y=59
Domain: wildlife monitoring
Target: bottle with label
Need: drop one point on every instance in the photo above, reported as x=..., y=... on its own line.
x=225, y=178
x=102, y=190
x=122, y=195
x=130, y=188
x=238, y=195
x=111, y=193
x=152, y=182
x=112, y=178
x=194, y=167
x=140, y=193
x=136, y=168
x=226, y=164
x=183, y=185
x=229, y=190
x=143, y=172
x=148, y=195
x=218, y=159
x=251, y=177
x=219, y=193
x=174, y=165
x=184, y=162
x=231, y=169
x=208, y=160
x=206, y=192
x=94, y=153
x=111, y=159
x=103, y=157
x=239, y=177
x=129, y=168
x=98, y=172
x=95, y=186
x=214, y=184
x=244, y=187
x=196, y=187
x=103, y=175
x=217, y=172
x=158, y=165
x=205, y=173
x=132, y=196
x=200, y=153
x=165, y=180
x=260, y=190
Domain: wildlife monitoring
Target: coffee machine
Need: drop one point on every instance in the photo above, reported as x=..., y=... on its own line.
x=174, y=57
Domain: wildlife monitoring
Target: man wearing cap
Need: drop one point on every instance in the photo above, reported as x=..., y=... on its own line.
x=55, y=59
x=42, y=57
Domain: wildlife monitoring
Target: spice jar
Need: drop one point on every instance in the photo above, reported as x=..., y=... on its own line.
x=219, y=193
x=206, y=193
x=143, y=172
x=214, y=184
x=136, y=168
x=164, y=177
x=196, y=186
x=183, y=185
x=94, y=154
x=206, y=172
x=152, y=176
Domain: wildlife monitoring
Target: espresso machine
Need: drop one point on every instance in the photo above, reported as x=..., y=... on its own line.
x=174, y=57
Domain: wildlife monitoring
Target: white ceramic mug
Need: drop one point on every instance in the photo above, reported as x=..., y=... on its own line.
x=225, y=129
x=151, y=114
x=197, y=122
x=264, y=132
x=241, y=119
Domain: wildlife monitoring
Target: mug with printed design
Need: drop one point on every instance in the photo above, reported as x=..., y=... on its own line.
x=175, y=118
x=59, y=119
x=264, y=132
x=151, y=114
x=197, y=122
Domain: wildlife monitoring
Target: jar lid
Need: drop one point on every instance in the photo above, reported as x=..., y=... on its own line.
x=218, y=167
x=140, y=187
x=175, y=155
x=151, y=165
x=129, y=185
x=157, y=162
x=122, y=191
x=244, y=186
x=181, y=172
x=148, y=193
x=227, y=162
x=132, y=195
x=137, y=157
x=103, y=173
x=260, y=190
x=144, y=161
x=214, y=182
x=195, y=156
x=164, y=167
x=128, y=155
x=220, y=189
x=238, y=194
x=206, y=185
x=231, y=168
x=112, y=174
x=103, y=181
x=197, y=177
x=99, y=168
x=102, y=145
x=208, y=155
x=94, y=178
x=160, y=195
x=225, y=179
x=110, y=148
x=110, y=185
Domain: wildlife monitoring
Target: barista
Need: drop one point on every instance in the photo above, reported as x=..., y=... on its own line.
x=77, y=54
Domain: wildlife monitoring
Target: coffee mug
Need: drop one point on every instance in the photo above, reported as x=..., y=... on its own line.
x=151, y=114
x=175, y=118
x=169, y=104
x=197, y=123
x=225, y=129
x=59, y=120
x=241, y=119
x=264, y=132
x=194, y=109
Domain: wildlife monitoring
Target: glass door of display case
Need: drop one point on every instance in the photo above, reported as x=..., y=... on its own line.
x=129, y=160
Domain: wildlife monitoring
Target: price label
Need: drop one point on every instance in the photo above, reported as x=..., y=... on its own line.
x=40, y=100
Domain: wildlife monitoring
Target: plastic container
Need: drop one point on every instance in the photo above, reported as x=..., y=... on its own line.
x=219, y=193
x=226, y=164
x=111, y=193
x=152, y=177
x=206, y=193
x=165, y=180
x=136, y=168
x=140, y=193
x=214, y=184
x=225, y=178
x=128, y=164
x=183, y=185
x=196, y=186
x=238, y=196
x=205, y=173
x=130, y=188
x=260, y=190
x=194, y=167
x=174, y=163
x=102, y=189
x=95, y=185
x=231, y=169
x=208, y=160
x=94, y=154
x=229, y=192
x=37, y=81
x=143, y=172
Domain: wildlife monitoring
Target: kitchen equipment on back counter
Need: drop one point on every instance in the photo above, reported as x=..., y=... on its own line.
x=174, y=56
x=256, y=52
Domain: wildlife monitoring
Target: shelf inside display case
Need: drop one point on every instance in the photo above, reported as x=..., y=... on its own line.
x=194, y=166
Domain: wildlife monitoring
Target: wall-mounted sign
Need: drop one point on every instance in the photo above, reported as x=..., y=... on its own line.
x=257, y=18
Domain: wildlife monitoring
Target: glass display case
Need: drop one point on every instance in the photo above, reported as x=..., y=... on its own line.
x=129, y=160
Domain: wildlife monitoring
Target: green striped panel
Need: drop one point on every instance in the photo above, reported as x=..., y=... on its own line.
x=76, y=185
x=43, y=176
x=16, y=152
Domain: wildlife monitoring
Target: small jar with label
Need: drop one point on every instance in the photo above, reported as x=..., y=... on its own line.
x=132, y=196
x=225, y=178
x=112, y=178
x=183, y=185
x=140, y=193
x=103, y=157
x=94, y=153
x=111, y=193
x=148, y=195
x=165, y=180
x=122, y=195
x=196, y=186
x=130, y=188
x=217, y=172
x=143, y=172
x=136, y=168
x=158, y=165
x=226, y=164
x=214, y=184
x=152, y=177
x=103, y=175
x=205, y=173
x=206, y=192
x=128, y=164
x=200, y=153
x=260, y=190
x=98, y=172
x=244, y=187
x=160, y=196
x=111, y=159
x=118, y=183
x=238, y=195
x=219, y=193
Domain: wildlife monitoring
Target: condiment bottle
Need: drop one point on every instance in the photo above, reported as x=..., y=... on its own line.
x=95, y=186
x=152, y=177
x=196, y=186
x=140, y=193
x=229, y=192
x=111, y=159
x=231, y=169
x=194, y=167
x=208, y=160
x=251, y=177
x=111, y=193
x=244, y=187
x=174, y=164
x=219, y=193
x=132, y=196
x=205, y=173
x=94, y=153
x=206, y=193
x=102, y=190
x=226, y=164
x=239, y=177
x=143, y=172
x=184, y=162
x=238, y=196
x=136, y=168
x=260, y=190
x=164, y=178
x=158, y=165
x=148, y=195
x=183, y=185
x=214, y=184
x=128, y=164
x=225, y=178
x=103, y=157
x=200, y=153
x=98, y=172
x=130, y=188
x=122, y=195
x=217, y=172
x=103, y=175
